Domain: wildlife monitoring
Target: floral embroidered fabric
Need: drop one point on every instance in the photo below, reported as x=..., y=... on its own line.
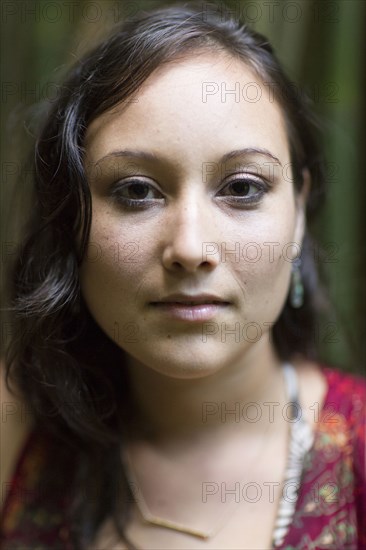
x=330, y=508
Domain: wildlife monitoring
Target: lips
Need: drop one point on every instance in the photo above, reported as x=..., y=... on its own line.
x=185, y=303
x=190, y=309
x=189, y=300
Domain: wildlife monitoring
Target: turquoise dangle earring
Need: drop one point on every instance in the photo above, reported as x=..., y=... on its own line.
x=297, y=287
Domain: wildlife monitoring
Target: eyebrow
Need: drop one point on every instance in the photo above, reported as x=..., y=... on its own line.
x=250, y=151
x=148, y=156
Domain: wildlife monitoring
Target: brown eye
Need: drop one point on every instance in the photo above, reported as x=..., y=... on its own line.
x=244, y=190
x=240, y=187
x=135, y=194
x=136, y=191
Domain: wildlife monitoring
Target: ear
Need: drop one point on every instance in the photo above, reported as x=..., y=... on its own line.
x=301, y=201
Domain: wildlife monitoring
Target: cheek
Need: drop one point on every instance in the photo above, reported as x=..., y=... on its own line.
x=113, y=267
x=263, y=268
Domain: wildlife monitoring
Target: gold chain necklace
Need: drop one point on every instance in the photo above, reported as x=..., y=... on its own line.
x=168, y=524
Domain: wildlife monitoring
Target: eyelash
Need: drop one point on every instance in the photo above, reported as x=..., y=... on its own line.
x=147, y=203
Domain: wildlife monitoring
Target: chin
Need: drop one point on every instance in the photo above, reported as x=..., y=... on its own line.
x=183, y=365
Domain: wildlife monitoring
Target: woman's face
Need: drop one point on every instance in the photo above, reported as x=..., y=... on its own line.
x=192, y=194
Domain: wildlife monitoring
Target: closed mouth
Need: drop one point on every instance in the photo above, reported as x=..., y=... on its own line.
x=184, y=303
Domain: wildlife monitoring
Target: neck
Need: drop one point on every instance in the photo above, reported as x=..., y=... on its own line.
x=199, y=410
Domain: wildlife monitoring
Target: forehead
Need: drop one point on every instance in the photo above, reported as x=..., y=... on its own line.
x=208, y=103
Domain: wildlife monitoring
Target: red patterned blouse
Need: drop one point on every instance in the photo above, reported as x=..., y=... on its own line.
x=330, y=511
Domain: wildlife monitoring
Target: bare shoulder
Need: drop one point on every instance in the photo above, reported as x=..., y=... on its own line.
x=107, y=538
x=15, y=427
x=109, y=546
x=312, y=386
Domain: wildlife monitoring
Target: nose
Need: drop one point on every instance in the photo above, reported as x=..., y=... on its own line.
x=190, y=234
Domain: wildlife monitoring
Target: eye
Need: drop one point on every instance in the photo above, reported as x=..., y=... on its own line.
x=135, y=193
x=244, y=190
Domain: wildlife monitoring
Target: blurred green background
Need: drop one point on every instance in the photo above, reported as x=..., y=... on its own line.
x=322, y=46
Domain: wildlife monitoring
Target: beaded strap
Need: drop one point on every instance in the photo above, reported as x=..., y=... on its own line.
x=301, y=441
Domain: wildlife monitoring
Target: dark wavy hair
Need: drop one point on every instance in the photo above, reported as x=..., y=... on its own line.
x=67, y=369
